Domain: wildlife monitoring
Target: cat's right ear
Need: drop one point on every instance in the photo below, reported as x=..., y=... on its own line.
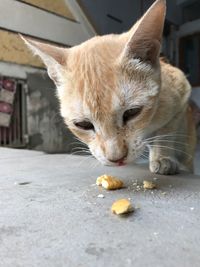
x=145, y=37
x=53, y=57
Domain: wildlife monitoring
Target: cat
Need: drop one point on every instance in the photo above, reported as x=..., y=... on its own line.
x=118, y=97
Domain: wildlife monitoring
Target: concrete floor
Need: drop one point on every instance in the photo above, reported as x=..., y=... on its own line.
x=50, y=215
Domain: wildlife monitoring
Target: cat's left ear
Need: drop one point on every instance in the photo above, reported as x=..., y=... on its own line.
x=53, y=57
x=145, y=37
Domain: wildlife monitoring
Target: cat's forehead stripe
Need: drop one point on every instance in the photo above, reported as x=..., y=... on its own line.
x=96, y=81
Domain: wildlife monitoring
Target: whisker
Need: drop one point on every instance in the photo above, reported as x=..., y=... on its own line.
x=143, y=153
x=178, y=150
x=86, y=158
x=81, y=148
x=76, y=143
x=167, y=141
x=80, y=153
x=96, y=162
x=80, y=141
x=143, y=156
x=166, y=135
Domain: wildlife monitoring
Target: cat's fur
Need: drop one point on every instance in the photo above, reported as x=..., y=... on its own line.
x=105, y=76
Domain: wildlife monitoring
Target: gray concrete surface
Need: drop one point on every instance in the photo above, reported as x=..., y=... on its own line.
x=50, y=215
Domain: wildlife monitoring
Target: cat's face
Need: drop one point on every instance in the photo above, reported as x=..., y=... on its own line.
x=108, y=102
x=108, y=87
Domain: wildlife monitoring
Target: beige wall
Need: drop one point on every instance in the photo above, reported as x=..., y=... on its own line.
x=56, y=6
x=41, y=25
x=13, y=49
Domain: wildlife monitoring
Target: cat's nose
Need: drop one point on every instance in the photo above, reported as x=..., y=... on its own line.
x=119, y=160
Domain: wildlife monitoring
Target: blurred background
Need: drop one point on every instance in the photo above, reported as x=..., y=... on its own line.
x=29, y=110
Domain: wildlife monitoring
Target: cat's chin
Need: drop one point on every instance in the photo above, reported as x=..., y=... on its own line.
x=108, y=163
x=112, y=164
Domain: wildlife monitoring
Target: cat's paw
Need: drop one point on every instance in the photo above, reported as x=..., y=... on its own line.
x=164, y=166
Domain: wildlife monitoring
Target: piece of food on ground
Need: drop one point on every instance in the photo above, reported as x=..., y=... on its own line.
x=101, y=196
x=149, y=185
x=122, y=206
x=109, y=182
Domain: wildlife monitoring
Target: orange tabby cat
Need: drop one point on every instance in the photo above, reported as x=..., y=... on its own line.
x=119, y=98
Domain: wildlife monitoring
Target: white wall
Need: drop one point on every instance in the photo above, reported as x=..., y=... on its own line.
x=20, y=17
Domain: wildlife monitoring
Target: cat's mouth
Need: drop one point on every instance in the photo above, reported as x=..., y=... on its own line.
x=118, y=163
x=131, y=156
x=109, y=163
x=121, y=163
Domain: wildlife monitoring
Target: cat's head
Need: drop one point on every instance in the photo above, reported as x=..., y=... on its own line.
x=108, y=86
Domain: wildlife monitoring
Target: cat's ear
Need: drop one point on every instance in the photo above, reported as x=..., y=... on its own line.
x=145, y=37
x=53, y=57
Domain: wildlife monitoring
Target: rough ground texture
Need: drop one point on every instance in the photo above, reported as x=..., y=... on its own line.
x=50, y=215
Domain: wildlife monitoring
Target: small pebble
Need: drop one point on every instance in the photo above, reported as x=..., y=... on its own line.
x=22, y=183
x=138, y=207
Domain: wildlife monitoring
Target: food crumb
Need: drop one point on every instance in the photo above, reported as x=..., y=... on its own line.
x=101, y=196
x=191, y=208
x=109, y=182
x=122, y=206
x=149, y=185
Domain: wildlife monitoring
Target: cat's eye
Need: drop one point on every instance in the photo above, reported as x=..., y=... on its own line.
x=131, y=113
x=84, y=125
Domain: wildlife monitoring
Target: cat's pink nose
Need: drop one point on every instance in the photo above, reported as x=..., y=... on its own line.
x=120, y=160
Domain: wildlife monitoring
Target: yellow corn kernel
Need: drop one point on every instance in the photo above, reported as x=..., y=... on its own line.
x=109, y=182
x=122, y=206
